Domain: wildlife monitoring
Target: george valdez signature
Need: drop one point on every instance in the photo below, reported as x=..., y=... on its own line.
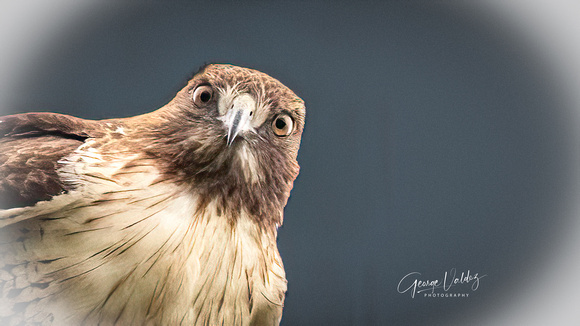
x=413, y=284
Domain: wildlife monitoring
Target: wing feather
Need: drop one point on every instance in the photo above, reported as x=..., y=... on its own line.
x=31, y=145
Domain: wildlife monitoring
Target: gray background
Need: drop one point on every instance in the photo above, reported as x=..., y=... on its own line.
x=435, y=138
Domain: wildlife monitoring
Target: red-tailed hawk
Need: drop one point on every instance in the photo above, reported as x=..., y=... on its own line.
x=166, y=218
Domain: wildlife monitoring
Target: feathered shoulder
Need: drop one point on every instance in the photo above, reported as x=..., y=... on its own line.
x=31, y=144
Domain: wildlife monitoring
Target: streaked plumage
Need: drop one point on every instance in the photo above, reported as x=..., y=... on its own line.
x=166, y=218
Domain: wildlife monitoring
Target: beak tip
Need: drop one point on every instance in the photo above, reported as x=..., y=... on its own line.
x=238, y=119
x=234, y=128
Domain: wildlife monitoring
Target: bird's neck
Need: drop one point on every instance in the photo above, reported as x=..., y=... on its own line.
x=255, y=178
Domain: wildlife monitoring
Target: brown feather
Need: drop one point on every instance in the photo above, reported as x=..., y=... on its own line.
x=31, y=144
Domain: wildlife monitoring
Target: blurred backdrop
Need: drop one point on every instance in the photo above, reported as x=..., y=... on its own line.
x=436, y=138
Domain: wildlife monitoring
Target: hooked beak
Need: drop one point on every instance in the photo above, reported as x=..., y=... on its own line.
x=239, y=117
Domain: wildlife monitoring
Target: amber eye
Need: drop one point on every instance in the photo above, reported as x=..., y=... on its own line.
x=202, y=94
x=282, y=125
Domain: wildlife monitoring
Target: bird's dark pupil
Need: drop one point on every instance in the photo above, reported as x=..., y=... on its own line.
x=205, y=96
x=280, y=123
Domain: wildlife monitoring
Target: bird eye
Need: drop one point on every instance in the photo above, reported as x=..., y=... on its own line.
x=202, y=94
x=282, y=125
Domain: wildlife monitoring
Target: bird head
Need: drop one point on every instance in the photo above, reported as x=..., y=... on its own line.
x=234, y=133
x=248, y=103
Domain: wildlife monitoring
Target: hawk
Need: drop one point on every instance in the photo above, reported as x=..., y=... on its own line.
x=165, y=218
